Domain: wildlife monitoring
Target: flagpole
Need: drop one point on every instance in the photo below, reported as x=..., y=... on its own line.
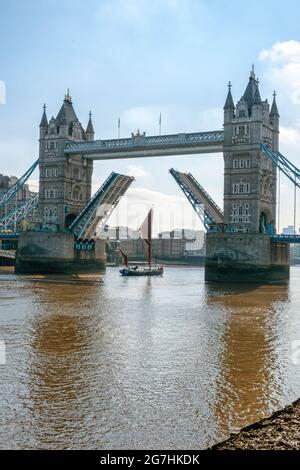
x=119, y=123
x=160, y=124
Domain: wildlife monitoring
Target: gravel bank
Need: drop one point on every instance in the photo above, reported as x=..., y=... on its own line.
x=280, y=431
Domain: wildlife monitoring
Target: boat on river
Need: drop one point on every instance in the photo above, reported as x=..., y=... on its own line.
x=149, y=270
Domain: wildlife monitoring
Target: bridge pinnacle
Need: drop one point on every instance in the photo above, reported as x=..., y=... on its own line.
x=68, y=98
x=44, y=120
x=274, y=109
x=229, y=104
x=90, y=127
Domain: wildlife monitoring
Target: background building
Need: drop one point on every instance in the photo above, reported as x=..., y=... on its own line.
x=21, y=197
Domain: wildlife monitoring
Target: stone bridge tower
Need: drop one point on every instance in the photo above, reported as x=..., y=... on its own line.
x=65, y=182
x=250, y=176
x=242, y=250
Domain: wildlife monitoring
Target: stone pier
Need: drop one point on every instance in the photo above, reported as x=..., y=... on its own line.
x=47, y=253
x=240, y=257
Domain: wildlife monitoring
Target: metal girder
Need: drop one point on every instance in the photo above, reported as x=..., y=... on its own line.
x=286, y=238
x=19, y=214
x=141, y=145
x=284, y=165
x=18, y=185
x=205, y=207
x=99, y=208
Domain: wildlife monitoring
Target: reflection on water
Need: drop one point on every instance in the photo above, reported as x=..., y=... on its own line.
x=142, y=363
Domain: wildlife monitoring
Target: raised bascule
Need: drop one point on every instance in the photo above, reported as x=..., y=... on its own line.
x=242, y=243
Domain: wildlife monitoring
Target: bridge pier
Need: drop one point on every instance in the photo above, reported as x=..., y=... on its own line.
x=246, y=258
x=55, y=253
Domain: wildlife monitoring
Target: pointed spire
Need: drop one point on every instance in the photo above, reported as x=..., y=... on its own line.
x=68, y=98
x=66, y=113
x=229, y=104
x=274, y=109
x=252, y=95
x=90, y=127
x=44, y=120
x=257, y=98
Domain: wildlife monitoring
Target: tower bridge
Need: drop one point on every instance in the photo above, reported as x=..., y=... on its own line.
x=242, y=243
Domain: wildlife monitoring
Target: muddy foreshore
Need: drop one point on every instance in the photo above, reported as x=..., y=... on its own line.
x=280, y=431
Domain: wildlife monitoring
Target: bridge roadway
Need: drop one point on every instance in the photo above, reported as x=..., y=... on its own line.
x=140, y=145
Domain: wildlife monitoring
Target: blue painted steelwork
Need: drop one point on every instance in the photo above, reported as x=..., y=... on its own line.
x=18, y=185
x=158, y=144
x=19, y=214
x=286, y=238
x=205, y=207
x=284, y=165
x=99, y=208
x=7, y=235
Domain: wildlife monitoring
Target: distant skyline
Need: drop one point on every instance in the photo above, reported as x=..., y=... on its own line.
x=135, y=59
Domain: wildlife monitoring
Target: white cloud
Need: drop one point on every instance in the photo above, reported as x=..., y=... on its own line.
x=33, y=185
x=283, y=67
x=137, y=171
x=282, y=71
x=170, y=211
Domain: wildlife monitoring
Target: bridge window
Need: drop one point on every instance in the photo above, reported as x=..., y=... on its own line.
x=242, y=113
x=241, y=130
x=241, y=188
x=51, y=193
x=240, y=214
x=242, y=163
x=51, y=172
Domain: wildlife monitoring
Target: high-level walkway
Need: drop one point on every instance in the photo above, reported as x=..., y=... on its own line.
x=140, y=145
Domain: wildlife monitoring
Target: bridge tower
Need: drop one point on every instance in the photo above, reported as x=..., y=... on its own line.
x=65, y=182
x=242, y=250
x=249, y=175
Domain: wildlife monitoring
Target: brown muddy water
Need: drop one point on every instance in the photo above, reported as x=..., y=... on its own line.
x=142, y=363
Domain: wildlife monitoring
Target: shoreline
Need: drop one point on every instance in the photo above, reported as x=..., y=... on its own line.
x=279, y=431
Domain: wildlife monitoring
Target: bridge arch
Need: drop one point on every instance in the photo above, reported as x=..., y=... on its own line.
x=69, y=219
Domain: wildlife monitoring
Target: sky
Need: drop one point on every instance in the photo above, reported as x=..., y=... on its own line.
x=135, y=59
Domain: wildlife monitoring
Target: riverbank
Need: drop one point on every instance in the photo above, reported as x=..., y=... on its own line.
x=280, y=431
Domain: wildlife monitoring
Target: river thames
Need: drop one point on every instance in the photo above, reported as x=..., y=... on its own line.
x=146, y=363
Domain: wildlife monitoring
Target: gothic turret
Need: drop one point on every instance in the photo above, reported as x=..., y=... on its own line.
x=43, y=124
x=89, y=133
x=44, y=120
x=66, y=113
x=274, y=120
x=229, y=107
x=251, y=95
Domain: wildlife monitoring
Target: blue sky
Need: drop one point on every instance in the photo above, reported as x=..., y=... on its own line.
x=137, y=58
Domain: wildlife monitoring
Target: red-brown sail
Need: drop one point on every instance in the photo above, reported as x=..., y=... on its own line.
x=146, y=233
x=125, y=257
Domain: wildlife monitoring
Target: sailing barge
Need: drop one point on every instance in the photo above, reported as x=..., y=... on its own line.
x=146, y=233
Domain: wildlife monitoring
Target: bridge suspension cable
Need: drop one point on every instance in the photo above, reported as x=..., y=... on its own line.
x=18, y=185
x=289, y=169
